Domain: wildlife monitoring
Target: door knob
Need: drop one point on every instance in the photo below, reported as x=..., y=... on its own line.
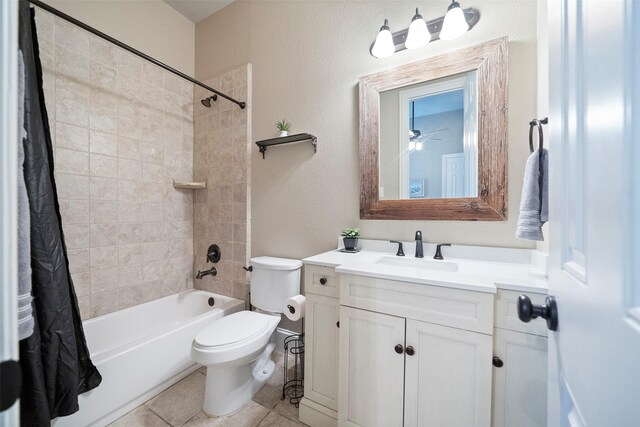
x=497, y=362
x=399, y=348
x=410, y=351
x=323, y=281
x=548, y=311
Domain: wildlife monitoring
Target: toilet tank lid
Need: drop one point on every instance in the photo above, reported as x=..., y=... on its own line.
x=273, y=263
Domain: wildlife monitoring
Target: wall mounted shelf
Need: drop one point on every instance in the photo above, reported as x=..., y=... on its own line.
x=291, y=139
x=189, y=185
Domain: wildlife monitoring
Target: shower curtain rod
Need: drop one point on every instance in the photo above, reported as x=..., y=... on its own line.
x=110, y=39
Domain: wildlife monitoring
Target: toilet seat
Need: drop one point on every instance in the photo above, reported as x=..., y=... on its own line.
x=233, y=338
x=233, y=328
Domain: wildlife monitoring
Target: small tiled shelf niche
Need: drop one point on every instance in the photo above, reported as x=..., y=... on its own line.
x=291, y=139
x=189, y=185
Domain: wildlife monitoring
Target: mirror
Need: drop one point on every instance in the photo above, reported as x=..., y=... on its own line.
x=433, y=137
x=428, y=139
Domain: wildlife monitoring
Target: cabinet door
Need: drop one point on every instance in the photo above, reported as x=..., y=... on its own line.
x=520, y=385
x=371, y=371
x=448, y=378
x=321, y=354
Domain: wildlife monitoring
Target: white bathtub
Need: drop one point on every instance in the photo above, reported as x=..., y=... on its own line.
x=142, y=350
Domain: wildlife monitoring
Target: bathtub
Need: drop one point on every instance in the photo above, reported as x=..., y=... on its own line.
x=143, y=350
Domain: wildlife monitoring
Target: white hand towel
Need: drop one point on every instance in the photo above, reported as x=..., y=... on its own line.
x=534, y=210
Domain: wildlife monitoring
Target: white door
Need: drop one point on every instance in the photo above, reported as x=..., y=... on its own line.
x=8, y=200
x=453, y=175
x=594, y=372
x=321, y=363
x=448, y=377
x=371, y=371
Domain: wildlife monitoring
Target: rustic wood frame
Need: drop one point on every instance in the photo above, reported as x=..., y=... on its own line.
x=490, y=60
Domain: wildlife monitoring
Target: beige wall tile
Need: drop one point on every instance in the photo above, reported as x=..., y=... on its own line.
x=104, y=166
x=104, y=303
x=76, y=236
x=103, y=235
x=104, y=280
x=104, y=257
x=130, y=169
x=103, y=143
x=73, y=137
x=72, y=186
x=74, y=211
x=103, y=212
x=130, y=254
x=103, y=188
x=72, y=162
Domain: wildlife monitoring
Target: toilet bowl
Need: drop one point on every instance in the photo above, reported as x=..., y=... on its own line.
x=237, y=348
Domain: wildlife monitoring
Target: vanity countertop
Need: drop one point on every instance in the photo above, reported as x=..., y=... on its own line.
x=473, y=274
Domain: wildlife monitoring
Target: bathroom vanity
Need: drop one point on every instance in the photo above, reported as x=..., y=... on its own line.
x=404, y=341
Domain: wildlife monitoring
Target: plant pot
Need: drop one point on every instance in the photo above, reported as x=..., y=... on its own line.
x=350, y=243
x=284, y=133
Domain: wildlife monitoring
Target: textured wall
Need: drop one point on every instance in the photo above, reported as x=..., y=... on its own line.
x=222, y=211
x=122, y=130
x=151, y=26
x=307, y=58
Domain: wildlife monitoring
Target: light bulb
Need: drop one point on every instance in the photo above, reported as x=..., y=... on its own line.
x=418, y=35
x=454, y=24
x=419, y=145
x=383, y=46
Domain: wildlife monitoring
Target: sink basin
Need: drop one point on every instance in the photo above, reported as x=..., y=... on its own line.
x=421, y=263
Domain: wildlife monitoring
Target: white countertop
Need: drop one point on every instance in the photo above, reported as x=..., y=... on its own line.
x=474, y=274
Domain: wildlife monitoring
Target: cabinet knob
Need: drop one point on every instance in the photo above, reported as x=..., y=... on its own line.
x=398, y=348
x=338, y=323
x=497, y=362
x=323, y=280
x=410, y=351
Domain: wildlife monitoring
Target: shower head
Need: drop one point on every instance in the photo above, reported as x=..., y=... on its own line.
x=207, y=101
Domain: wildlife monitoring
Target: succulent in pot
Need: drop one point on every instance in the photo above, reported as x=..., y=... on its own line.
x=284, y=127
x=350, y=238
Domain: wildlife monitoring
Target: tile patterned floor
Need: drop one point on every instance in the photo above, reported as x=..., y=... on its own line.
x=181, y=405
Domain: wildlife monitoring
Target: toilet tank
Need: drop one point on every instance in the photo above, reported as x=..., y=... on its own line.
x=273, y=281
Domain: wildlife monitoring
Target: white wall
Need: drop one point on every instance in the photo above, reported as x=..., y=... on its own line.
x=307, y=58
x=151, y=26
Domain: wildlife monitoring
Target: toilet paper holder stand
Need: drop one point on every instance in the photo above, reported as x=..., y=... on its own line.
x=293, y=386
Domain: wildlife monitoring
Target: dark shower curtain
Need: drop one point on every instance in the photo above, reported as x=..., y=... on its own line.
x=55, y=361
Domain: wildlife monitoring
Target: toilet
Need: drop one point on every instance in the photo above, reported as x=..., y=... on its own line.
x=236, y=349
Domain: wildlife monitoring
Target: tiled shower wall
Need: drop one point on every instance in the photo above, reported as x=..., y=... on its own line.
x=222, y=211
x=122, y=130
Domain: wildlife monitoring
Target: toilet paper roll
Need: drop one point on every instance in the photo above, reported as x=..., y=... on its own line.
x=294, y=307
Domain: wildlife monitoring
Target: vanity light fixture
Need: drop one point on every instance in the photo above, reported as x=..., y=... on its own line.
x=420, y=32
x=418, y=35
x=383, y=45
x=455, y=24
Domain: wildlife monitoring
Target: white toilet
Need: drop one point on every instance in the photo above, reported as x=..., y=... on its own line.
x=236, y=349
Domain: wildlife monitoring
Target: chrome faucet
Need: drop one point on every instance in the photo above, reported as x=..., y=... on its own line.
x=211, y=272
x=419, y=253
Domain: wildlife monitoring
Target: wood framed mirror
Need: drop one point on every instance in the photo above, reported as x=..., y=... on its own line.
x=433, y=138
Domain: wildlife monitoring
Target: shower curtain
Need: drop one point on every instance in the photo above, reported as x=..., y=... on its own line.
x=55, y=361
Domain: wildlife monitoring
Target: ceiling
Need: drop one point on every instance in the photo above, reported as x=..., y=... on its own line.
x=197, y=10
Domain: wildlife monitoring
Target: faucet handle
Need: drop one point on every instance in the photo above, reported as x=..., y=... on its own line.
x=400, y=250
x=438, y=254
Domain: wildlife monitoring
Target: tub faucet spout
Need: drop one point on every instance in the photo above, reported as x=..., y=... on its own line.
x=211, y=272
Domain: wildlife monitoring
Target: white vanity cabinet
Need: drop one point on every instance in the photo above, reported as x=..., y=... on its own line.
x=520, y=370
x=406, y=361
x=319, y=406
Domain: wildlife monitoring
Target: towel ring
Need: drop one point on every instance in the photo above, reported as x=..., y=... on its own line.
x=537, y=123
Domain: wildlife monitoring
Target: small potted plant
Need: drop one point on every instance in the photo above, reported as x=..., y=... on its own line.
x=350, y=238
x=283, y=126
